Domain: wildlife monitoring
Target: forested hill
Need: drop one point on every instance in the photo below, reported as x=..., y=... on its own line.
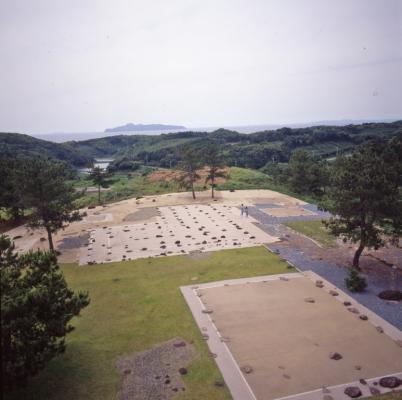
x=16, y=144
x=244, y=150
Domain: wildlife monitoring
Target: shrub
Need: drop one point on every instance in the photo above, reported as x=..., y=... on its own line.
x=354, y=282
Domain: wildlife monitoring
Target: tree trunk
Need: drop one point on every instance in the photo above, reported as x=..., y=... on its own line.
x=357, y=255
x=50, y=239
x=213, y=184
x=192, y=189
x=99, y=187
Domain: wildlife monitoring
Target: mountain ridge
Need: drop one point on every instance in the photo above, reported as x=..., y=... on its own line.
x=130, y=127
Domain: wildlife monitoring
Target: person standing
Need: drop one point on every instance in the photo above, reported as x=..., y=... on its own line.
x=246, y=211
x=242, y=210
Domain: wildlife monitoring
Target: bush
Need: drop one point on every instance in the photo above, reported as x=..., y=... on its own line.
x=354, y=282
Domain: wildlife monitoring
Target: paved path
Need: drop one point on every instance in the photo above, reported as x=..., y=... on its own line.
x=304, y=260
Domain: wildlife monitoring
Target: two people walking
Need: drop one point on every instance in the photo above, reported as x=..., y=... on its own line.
x=244, y=210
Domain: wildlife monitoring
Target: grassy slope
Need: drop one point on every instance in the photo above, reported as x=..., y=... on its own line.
x=135, y=305
x=138, y=185
x=124, y=187
x=315, y=230
x=245, y=178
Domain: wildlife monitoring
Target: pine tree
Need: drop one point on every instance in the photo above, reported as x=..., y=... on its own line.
x=213, y=160
x=36, y=307
x=189, y=164
x=365, y=197
x=49, y=195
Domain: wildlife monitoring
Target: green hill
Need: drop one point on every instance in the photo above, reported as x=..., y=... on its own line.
x=243, y=150
x=16, y=144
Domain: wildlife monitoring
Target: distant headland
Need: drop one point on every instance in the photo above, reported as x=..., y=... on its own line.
x=141, y=127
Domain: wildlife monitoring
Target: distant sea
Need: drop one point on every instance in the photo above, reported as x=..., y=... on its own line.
x=60, y=137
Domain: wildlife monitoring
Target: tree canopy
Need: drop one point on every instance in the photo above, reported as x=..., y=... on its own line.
x=100, y=177
x=213, y=160
x=365, y=196
x=189, y=163
x=36, y=308
x=49, y=195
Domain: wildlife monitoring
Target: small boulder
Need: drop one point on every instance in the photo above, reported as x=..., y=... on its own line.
x=347, y=303
x=247, y=369
x=393, y=295
x=391, y=382
x=363, y=317
x=183, y=371
x=374, y=391
x=309, y=300
x=353, y=392
x=333, y=293
x=353, y=310
x=179, y=343
x=335, y=356
x=207, y=311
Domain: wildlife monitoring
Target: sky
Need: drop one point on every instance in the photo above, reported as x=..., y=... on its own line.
x=82, y=65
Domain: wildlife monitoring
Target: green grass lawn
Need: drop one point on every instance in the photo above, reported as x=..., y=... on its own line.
x=388, y=396
x=135, y=305
x=315, y=230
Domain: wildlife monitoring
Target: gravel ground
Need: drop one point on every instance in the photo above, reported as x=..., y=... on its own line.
x=143, y=214
x=306, y=256
x=156, y=374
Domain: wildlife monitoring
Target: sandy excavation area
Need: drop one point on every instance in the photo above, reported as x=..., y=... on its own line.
x=175, y=230
x=117, y=216
x=286, y=341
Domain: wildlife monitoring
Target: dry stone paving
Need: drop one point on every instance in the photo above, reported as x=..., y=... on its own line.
x=174, y=230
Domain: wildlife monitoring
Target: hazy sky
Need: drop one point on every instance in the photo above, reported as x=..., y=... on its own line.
x=81, y=65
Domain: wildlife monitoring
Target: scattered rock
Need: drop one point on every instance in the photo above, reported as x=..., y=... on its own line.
x=309, y=300
x=335, y=356
x=353, y=392
x=219, y=384
x=363, y=317
x=374, y=391
x=333, y=293
x=353, y=310
x=179, y=343
x=347, y=303
x=393, y=295
x=207, y=311
x=363, y=381
x=205, y=336
x=390, y=382
x=247, y=369
x=379, y=329
x=358, y=367
x=183, y=371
